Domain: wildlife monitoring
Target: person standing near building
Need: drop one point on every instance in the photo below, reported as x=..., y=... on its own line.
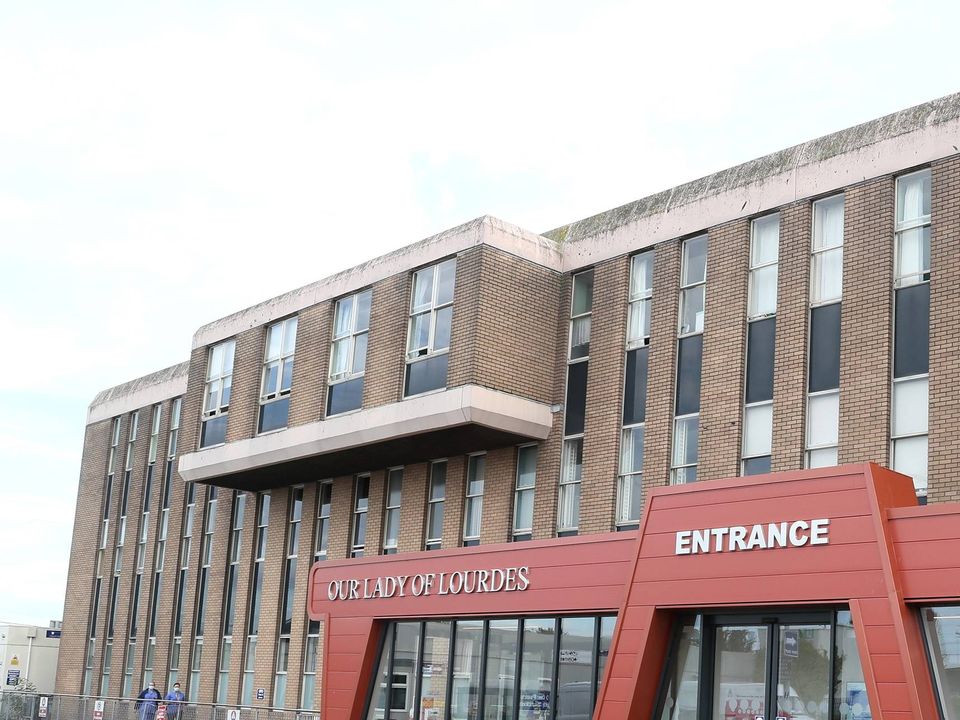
x=173, y=699
x=146, y=705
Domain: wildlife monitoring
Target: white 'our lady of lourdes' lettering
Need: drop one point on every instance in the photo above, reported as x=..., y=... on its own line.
x=757, y=537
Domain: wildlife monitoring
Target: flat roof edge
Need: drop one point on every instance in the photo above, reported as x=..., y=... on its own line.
x=139, y=392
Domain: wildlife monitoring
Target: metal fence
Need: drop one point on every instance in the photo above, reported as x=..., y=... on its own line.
x=28, y=706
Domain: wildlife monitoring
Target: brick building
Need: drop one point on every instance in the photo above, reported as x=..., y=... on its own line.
x=493, y=385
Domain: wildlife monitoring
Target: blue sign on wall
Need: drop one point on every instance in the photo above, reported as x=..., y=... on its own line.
x=13, y=677
x=53, y=633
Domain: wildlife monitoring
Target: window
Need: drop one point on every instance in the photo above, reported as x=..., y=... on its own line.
x=216, y=395
x=310, y=652
x=154, y=433
x=630, y=479
x=473, y=515
x=431, y=320
x=641, y=290
x=290, y=571
x=280, y=679
x=277, y=375
x=174, y=662
x=941, y=628
x=174, y=434
x=325, y=492
x=195, y=658
x=686, y=424
x=256, y=595
x=391, y=519
x=571, y=472
x=114, y=442
x=361, y=501
x=693, y=278
x=761, y=330
x=823, y=383
x=911, y=354
x=524, y=493
x=581, y=308
x=348, y=353
x=826, y=263
x=435, y=501
x=230, y=593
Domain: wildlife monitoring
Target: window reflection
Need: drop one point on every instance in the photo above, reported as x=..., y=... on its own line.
x=941, y=626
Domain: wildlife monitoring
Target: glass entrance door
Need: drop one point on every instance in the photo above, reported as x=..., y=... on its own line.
x=771, y=668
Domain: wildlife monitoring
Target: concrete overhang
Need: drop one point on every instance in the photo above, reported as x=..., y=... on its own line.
x=446, y=423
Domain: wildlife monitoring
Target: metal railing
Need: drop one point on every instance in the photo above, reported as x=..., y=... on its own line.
x=15, y=705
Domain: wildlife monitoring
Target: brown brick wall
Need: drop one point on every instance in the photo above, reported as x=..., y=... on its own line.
x=453, y=505
x=944, y=453
x=866, y=322
x=373, y=542
x=498, y=484
x=412, y=504
x=793, y=313
x=466, y=312
x=310, y=364
x=386, y=345
x=724, y=351
x=245, y=395
x=662, y=365
x=604, y=416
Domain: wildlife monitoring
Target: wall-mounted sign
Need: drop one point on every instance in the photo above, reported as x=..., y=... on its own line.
x=98, y=709
x=261, y=693
x=54, y=634
x=13, y=677
x=756, y=537
x=512, y=579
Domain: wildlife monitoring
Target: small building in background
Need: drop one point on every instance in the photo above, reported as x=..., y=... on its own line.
x=28, y=656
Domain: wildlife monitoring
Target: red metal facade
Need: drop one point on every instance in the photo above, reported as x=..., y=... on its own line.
x=884, y=554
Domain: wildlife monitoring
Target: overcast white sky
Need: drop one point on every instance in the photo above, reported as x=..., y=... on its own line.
x=162, y=166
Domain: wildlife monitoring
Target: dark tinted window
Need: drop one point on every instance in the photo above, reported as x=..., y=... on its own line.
x=760, y=345
x=426, y=375
x=576, y=398
x=688, y=374
x=213, y=431
x=756, y=465
x=635, y=387
x=273, y=416
x=911, y=355
x=345, y=396
x=825, y=347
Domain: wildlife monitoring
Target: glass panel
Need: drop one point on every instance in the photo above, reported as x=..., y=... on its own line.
x=465, y=691
x=685, y=433
x=913, y=197
x=446, y=276
x=580, y=337
x=631, y=450
x=343, y=321
x=826, y=457
x=227, y=386
x=763, y=291
x=419, y=332
x=426, y=375
x=911, y=348
x=828, y=223
x=689, y=363
x=360, y=353
x=406, y=657
x=691, y=310
x=526, y=466
x=803, y=680
x=824, y=348
x=757, y=430
x=289, y=335
x=422, y=289
x=340, y=364
x=536, y=670
x=576, y=405
x=273, y=415
x=910, y=458
x=740, y=670
x=827, y=276
x=213, y=431
x=523, y=512
x=345, y=396
x=850, y=692
x=582, y=293
x=756, y=465
x=630, y=499
x=441, y=332
x=910, y=404
x=681, y=696
x=607, y=626
x=635, y=387
x=694, y=261
x=433, y=670
x=501, y=670
x=438, y=481
x=641, y=275
x=362, y=321
x=575, y=674
x=638, y=322
x=760, y=354
x=216, y=362
x=274, y=333
x=913, y=255
x=765, y=247
x=569, y=507
x=376, y=710
x=823, y=420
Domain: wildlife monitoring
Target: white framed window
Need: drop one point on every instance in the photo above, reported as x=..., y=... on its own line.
x=757, y=435
x=195, y=658
x=630, y=482
x=173, y=435
x=571, y=475
x=581, y=310
x=686, y=432
x=473, y=514
x=912, y=263
x=277, y=375
x=764, y=263
x=431, y=310
x=132, y=438
x=325, y=491
x=361, y=504
x=391, y=514
x=280, y=679
x=909, y=429
x=114, y=443
x=351, y=326
x=524, y=492
x=216, y=395
x=436, y=498
x=826, y=262
x=693, y=280
x=641, y=292
x=823, y=423
x=154, y=433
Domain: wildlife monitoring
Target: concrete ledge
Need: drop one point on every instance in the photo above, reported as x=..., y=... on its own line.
x=135, y=394
x=465, y=405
